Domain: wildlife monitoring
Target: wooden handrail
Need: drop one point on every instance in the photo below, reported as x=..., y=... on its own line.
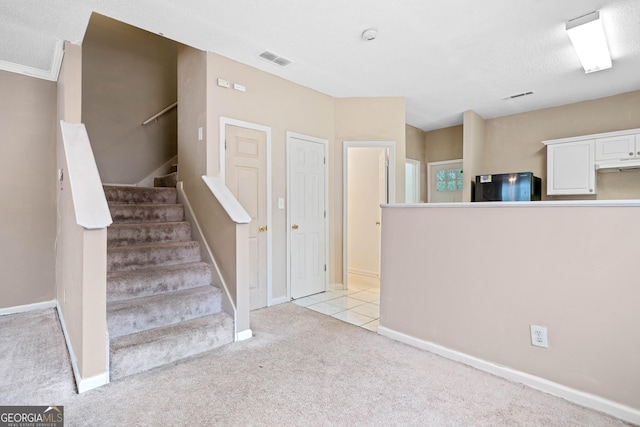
x=155, y=116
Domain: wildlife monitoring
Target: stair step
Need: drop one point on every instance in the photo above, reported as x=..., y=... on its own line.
x=128, y=194
x=148, y=232
x=138, y=213
x=139, y=352
x=135, y=257
x=122, y=285
x=141, y=314
x=168, y=180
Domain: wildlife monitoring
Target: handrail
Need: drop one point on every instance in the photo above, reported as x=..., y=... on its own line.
x=155, y=116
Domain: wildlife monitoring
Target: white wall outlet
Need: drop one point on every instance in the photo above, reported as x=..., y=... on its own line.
x=238, y=86
x=539, y=336
x=280, y=202
x=224, y=83
x=200, y=133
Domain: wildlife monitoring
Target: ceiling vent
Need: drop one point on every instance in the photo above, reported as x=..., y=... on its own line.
x=275, y=58
x=519, y=95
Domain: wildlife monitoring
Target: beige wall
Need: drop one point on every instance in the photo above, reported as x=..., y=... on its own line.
x=473, y=150
x=417, y=150
x=128, y=76
x=269, y=101
x=517, y=266
x=440, y=145
x=444, y=144
x=363, y=119
x=28, y=213
x=514, y=143
x=80, y=254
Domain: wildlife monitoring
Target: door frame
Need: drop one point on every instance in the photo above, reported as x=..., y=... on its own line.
x=325, y=144
x=391, y=195
x=224, y=121
x=429, y=166
x=416, y=180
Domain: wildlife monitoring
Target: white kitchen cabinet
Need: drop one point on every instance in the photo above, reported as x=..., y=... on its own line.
x=571, y=167
x=620, y=147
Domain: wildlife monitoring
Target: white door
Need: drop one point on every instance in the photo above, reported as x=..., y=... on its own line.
x=246, y=177
x=307, y=217
x=445, y=181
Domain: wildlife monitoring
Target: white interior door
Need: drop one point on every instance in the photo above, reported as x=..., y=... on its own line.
x=246, y=177
x=445, y=181
x=307, y=238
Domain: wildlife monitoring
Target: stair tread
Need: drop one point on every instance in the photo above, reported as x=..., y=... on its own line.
x=166, y=332
x=147, y=224
x=138, y=314
x=123, y=285
x=155, y=270
x=148, y=246
x=135, y=195
x=131, y=354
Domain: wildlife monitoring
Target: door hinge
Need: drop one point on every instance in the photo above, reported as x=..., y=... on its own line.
x=225, y=144
x=325, y=214
x=324, y=160
x=325, y=267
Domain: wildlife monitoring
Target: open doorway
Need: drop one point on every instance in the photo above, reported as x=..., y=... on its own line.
x=368, y=182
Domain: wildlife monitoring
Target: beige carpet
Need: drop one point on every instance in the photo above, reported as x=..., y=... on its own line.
x=300, y=369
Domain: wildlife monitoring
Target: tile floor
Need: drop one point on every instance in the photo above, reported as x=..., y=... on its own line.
x=358, y=305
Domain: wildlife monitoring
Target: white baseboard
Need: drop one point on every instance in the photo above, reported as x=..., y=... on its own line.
x=364, y=273
x=83, y=384
x=625, y=413
x=28, y=307
x=147, y=181
x=244, y=335
x=280, y=300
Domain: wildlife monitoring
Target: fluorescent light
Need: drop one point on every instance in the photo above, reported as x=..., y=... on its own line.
x=587, y=35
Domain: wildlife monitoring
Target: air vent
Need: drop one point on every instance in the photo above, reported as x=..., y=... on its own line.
x=275, y=58
x=519, y=95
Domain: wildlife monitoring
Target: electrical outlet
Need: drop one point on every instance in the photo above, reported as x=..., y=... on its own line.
x=539, y=336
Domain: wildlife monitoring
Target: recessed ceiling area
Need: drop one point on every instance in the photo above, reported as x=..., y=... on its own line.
x=444, y=57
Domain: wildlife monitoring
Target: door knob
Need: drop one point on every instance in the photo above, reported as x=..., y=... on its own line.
x=263, y=228
x=294, y=226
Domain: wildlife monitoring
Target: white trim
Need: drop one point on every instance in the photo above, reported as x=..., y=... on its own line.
x=224, y=121
x=364, y=273
x=231, y=205
x=51, y=74
x=244, y=335
x=582, y=398
x=629, y=203
x=325, y=144
x=276, y=301
x=416, y=179
x=83, y=384
x=164, y=169
x=432, y=164
x=89, y=200
x=391, y=145
x=28, y=307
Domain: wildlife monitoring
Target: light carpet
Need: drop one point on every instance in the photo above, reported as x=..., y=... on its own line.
x=300, y=369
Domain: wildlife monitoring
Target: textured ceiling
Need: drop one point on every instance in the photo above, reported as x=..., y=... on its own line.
x=444, y=57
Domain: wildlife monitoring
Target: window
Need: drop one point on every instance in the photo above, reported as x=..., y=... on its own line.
x=449, y=180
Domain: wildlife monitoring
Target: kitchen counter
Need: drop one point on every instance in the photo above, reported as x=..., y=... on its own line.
x=545, y=203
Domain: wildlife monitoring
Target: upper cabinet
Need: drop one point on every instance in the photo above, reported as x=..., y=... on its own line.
x=571, y=168
x=572, y=162
x=618, y=148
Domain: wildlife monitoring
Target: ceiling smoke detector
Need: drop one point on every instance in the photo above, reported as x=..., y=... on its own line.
x=370, y=34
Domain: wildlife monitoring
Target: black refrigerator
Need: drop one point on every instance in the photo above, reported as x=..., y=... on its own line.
x=507, y=187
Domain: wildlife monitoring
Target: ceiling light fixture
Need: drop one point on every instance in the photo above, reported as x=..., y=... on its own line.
x=587, y=35
x=369, y=34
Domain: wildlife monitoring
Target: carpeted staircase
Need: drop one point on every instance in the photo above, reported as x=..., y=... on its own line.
x=161, y=306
